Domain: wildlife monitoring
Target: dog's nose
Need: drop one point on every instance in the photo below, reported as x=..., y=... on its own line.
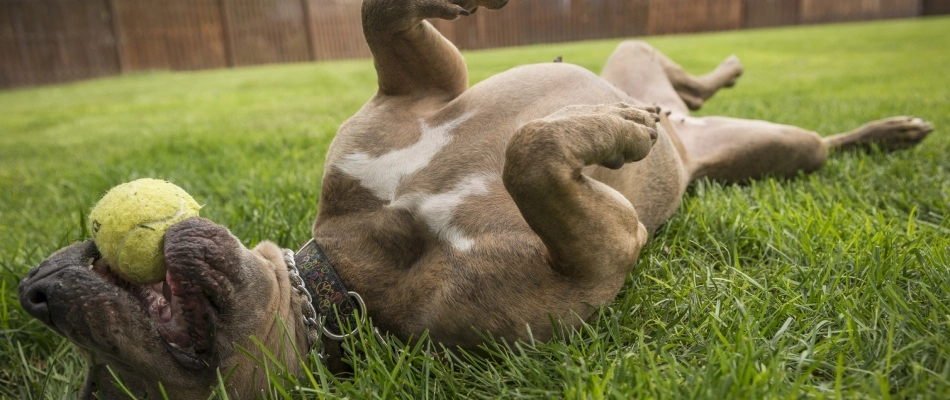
x=34, y=300
x=40, y=282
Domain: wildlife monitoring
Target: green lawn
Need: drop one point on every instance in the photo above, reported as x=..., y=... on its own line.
x=832, y=285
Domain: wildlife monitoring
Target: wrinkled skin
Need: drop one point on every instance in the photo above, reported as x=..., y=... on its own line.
x=453, y=210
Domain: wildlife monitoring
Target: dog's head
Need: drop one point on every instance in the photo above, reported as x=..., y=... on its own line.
x=181, y=332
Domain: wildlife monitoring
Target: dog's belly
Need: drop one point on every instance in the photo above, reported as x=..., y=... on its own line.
x=414, y=213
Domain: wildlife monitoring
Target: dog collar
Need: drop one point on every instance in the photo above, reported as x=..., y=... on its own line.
x=329, y=304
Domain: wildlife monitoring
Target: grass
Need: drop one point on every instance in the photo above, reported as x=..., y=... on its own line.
x=832, y=285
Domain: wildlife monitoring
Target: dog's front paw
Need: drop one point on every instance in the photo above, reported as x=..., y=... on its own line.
x=442, y=9
x=640, y=127
x=609, y=135
x=452, y=9
x=489, y=4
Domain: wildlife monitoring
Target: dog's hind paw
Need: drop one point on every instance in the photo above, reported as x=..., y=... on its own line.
x=889, y=134
x=897, y=133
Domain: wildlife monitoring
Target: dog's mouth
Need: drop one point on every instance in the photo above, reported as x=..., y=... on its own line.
x=179, y=310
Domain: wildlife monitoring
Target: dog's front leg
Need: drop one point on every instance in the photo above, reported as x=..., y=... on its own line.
x=592, y=233
x=411, y=57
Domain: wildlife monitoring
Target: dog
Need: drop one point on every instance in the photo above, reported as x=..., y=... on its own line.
x=454, y=210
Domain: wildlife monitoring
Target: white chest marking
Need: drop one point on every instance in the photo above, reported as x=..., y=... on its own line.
x=438, y=210
x=382, y=174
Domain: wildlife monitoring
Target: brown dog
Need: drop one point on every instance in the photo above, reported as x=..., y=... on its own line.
x=450, y=209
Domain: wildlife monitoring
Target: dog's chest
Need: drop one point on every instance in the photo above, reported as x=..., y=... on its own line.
x=439, y=178
x=385, y=171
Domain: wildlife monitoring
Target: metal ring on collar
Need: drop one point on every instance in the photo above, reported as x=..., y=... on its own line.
x=340, y=338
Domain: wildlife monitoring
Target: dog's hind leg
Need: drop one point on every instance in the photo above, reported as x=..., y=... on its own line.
x=411, y=57
x=645, y=73
x=544, y=174
x=737, y=150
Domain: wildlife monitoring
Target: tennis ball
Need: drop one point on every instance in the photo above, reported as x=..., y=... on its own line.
x=129, y=224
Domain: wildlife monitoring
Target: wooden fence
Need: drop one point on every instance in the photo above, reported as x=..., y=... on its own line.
x=48, y=41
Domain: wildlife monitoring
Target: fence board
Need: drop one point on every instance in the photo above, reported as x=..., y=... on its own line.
x=765, y=13
x=900, y=8
x=822, y=11
x=676, y=16
x=813, y=11
x=172, y=34
x=337, y=29
x=45, y=41
x=724, y=15
x=935, y=7
x=268, y=31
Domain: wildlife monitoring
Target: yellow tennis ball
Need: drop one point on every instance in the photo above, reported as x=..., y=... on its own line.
x=129, y=223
